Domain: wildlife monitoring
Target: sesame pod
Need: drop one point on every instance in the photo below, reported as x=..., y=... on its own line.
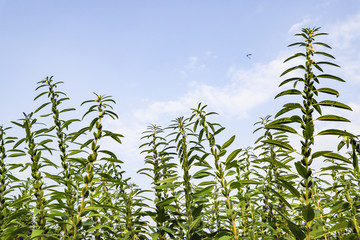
x=84, y=190
x=86, y=194
x=89, y=168
x=91, y=175
x=78, y=225
x=86, y=179
x=303, y=162
x=308, y=173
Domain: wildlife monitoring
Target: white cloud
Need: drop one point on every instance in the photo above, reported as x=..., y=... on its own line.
x=194, y=64
x=245, y=89
x=344, y=33
x=344, y=37
x=208, y=53
x=296, y=28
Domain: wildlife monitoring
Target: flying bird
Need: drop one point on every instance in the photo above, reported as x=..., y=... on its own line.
x=249, y=55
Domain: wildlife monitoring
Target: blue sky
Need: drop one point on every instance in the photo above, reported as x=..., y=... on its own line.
x=160, y=58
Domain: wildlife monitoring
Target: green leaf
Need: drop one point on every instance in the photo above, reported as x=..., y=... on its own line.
x=328, y=91
x=334, y=168
x=155, y=236
x=17, y=155
x=225, y=237
x=325, y=54
x=16, y=214
x=340, y=226
x=330, y=77
x=296, y=230
x=317, y=229
x=166, y=202
x=295, y=56
x=36, y=233
x=41, y=94
x=322, y=44
x=328, y=63
x=42, y=106
x=21, y=200
x=202, y=173
x=168, y=230
x=287, y=120
x=290, y=187
x=309, y=130
x=203, y=191
x=282, y=199
x=340, y=207
x=337, y=156
x=308, y=213
x=67, y=110
x=336, y=132
x=279, y=144
x=195, y=223
x=289, y=92
x=232, y=155
x=296, y=79
x=228, y=142
x=297, y=43
x=288, y=107
x=292, y=69
x=164, y=186
x=167, y=180
x=334, y=104
x=248, y=182
x=319, y=154
x=100, y=227
x=111, y=154
x=317, y=66
x=301, y=169
x=114, y=136
x=281, y=128
x=12, y=232
x=278, y=164
x=332, y=118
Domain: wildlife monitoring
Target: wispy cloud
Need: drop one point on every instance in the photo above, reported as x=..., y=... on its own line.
x=342, y=38
x=344, y=33
x=194, y=63
x=243, y=90
x=295, y=28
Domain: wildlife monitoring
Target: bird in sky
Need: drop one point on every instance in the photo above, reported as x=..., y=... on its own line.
x=249, y=55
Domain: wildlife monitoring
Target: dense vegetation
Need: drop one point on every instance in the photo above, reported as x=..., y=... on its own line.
x=76, y=188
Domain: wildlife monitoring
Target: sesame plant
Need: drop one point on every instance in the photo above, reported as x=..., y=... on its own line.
x=60, y=179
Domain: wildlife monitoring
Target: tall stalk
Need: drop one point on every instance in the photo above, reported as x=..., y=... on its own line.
x=216, y=151
x=61, y=126
x=99, y=105
x=158, y=171
x=181, y=125
x=4, y=180
x=34, y=151
x=306, y=120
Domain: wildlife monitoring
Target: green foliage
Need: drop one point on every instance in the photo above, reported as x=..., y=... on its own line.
x=203, y=185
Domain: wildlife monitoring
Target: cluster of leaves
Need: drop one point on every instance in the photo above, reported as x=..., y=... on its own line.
x=202, y=187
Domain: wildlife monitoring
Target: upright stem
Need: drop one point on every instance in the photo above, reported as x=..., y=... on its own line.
x=3, y=172
x=187, y=185
x=90, y=168
x=35, y=156
x=70, y=200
